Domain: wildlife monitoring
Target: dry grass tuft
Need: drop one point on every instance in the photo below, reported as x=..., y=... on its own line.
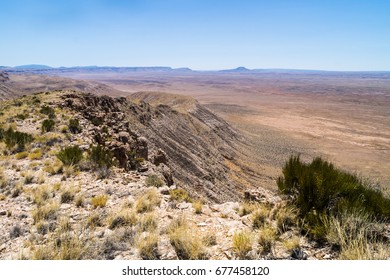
x=197, y=205
x=186, y=240
x=242, y=243
x=259, y=216
x=148, y=201
x=266, y=238
x=99, y=200
x=148, y=246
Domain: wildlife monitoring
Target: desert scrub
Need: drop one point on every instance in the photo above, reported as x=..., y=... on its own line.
x=47, y=125
x=65, y=246
x=48, y=211
x=148, y=246
x=246, y=208
x=124, y=217
x=179, y=195
x=260, y=216
x=286, y=217
x=186, y=240
x=14, y=138
x=35, y=154
x=74, y=126
x=319, y=189
x=148, y=201
x=94, y=220
x=242, y=243
x=53, y=167
x=292, y=243
x=99, y=200
x=153, y=181
x=21, y=155
x=68, y=194
x=28, y=177
x=46, y=110
x=357, y=235
x=197, y=205
x=148, y=222
x=41, y=194
x=70, y=155
x=79, y=200
x=266, y=238
x=100, y=157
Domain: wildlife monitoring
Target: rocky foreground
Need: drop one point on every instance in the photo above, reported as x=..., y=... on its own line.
x=150, y=182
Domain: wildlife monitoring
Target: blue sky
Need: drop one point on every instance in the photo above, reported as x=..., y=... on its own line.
x=200, y=34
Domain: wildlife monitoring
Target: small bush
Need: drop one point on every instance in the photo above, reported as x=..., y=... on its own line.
x=319, y=189
x=100, y=157
x=16, y=231
x=15, y=138
x=179, y=195
x=46, y=110
x=96, y=121
x=41, y=194
x=79, y=200
x=99, y=200
x=153, y=181
x=94, y=220
x=47, y=125
x=74, y=126
x=242, y=243
x=286, y=218
x=210, y=239
x=70, y=155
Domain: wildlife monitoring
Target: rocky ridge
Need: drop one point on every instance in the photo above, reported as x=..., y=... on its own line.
x=169, y=190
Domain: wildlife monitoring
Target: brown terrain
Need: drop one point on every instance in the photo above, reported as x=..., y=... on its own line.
x=344, y=117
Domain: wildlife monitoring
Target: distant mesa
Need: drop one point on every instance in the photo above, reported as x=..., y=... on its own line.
x=240, y=69
x=33, y=66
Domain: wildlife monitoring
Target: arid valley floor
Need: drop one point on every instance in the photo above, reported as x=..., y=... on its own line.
x=344, y=117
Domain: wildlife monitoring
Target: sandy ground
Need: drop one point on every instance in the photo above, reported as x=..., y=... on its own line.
x=342, y=117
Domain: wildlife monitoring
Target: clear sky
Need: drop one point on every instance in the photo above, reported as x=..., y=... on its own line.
x=200, y=34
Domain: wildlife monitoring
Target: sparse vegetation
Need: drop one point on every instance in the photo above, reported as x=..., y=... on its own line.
x=319, y=189
x=266, y=238
x=246, y=208
x=148, y=246
x=100, y=157
x=153, y=181
x=48, y=211
x=259, y=216
x=197, y=205
x=179, y=195
x=148, y=201
x=46, y=110
x=122, y=218
x=14, y=138
x=70, y=155
x=47, y=125
x=74, y=126
x=99, y=200
x=186, y=241
x=242, y=243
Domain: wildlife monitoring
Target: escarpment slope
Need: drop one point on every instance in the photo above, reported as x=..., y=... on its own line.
x=190, y=147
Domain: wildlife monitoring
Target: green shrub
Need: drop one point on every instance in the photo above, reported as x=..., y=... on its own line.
x=154, y=181
x=319, y=189
x=48, y=125
x=100, y=156
x=12, y=138
x=70, y=155
x=74, y=126
x=46, y=110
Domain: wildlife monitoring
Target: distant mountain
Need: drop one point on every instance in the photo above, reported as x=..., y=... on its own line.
x=33, y=66
x=240, y=69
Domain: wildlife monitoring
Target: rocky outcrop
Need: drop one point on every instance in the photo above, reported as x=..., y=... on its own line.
x=191, y=147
